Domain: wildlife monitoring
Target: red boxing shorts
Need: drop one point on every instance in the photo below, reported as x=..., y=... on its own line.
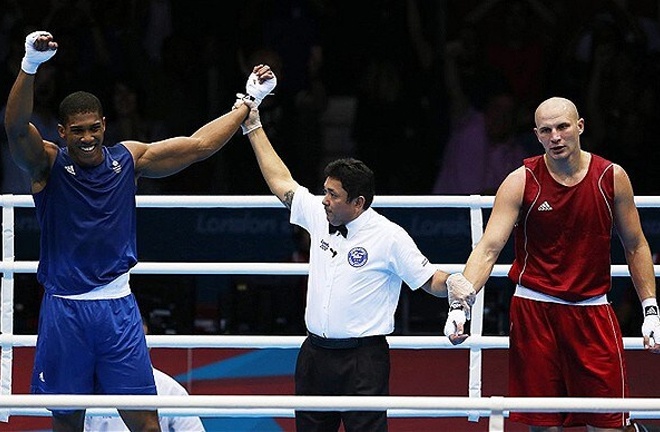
x=559, y=350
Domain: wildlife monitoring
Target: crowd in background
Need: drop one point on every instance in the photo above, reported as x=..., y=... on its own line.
x=424, y=78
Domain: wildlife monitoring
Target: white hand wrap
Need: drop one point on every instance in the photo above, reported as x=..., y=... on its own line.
x=461, y=290
x=33, y=57
x=259, y=90
x=456, y=318
x=651, y=325
x=252, y=121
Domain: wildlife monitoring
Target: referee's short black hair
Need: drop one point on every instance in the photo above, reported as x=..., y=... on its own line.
x=355, y=177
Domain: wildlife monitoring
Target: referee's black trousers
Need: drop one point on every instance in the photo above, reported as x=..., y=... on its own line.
x=361, y=370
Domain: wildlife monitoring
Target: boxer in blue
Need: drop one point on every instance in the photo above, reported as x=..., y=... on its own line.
x=90, y=332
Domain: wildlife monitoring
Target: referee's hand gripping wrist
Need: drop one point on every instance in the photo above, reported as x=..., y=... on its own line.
x=252, y=121
x=651, y=325
x=39, y=48
x=461, y=290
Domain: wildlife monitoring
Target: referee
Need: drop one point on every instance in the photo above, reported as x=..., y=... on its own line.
x=358, y=260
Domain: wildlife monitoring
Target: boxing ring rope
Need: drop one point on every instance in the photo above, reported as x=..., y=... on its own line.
x=474, y=405
x=497, y=407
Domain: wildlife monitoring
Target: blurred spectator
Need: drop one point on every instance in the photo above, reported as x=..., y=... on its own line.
x=517, y=34
x=289, y=34
x=427, y=122
x=379, y=128
x=126, y=117
x=610, y=84
x=11, y=64
x=291, y=28
x=399, y=93
x=483, y=145
x=126, y=120
x=621, y=94
x=11, y=16
x=177, y=96
x=482, y=149
x=157, y=28
x=123, y=24
x=84, y=53
x=235, y=160
x=307, y=106
x=613, y=22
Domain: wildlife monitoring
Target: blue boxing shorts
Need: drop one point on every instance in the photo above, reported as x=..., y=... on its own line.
x=91, y=347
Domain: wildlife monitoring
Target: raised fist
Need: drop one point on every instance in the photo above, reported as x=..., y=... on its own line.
x=260, y=83
x=39, y=48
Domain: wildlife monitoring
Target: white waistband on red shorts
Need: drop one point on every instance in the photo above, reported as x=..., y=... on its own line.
x=530, y=294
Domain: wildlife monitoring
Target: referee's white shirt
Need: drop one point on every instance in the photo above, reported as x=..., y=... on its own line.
x=355, y=282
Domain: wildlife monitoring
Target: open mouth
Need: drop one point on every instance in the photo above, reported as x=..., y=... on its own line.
x=87, y=149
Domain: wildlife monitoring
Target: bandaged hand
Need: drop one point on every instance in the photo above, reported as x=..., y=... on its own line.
x=37, y=51
x=461, y=290
x=252, y=121
x=455, y=325
x=260, y=83
x=651, y=325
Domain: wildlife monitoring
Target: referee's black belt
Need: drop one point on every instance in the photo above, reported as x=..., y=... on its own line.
x=344, y=343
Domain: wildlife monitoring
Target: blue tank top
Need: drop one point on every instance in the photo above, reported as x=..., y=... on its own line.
x=87, y=218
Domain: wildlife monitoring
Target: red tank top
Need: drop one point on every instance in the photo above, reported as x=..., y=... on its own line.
x=563, y=237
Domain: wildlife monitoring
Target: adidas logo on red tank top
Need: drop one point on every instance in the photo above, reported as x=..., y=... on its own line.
x=545, y=207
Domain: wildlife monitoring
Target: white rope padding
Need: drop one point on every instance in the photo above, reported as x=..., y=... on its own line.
x=230, y=201
x=289, y=342
x=500, y=270
x=497, y=407
x=286, y=412
x=283, y=406
x=333, y=403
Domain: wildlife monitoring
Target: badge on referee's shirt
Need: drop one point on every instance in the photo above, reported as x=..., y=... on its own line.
x=358, y=256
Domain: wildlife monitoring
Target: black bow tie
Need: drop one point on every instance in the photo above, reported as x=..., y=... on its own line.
x=341, y=228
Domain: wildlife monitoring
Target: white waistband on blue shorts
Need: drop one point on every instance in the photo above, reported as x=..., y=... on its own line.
x=116, y=289
x=530, y=294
